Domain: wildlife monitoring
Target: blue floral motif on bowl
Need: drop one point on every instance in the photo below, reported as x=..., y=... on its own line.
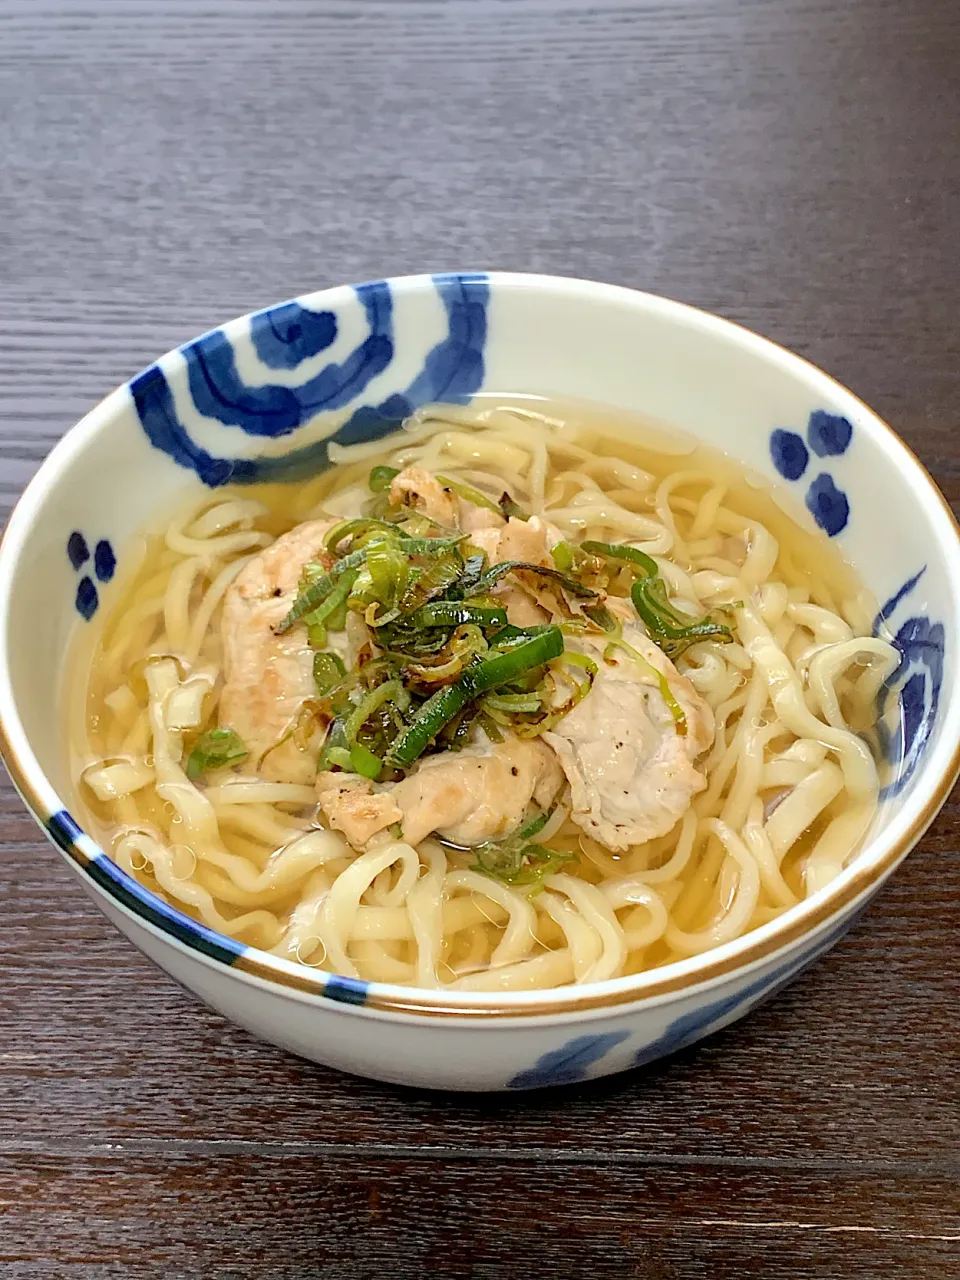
x=87, y=598
x=828, y=436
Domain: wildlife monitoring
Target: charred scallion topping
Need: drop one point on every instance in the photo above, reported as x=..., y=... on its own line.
x=439, y=658
x=669, y=628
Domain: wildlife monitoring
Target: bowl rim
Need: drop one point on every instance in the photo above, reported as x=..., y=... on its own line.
x=874, y=862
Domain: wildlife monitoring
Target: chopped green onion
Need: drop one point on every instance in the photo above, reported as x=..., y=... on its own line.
x=361, y=527
x=317, y=591
x=389, y=569
x=674, y=632
x=381, y=478
x=338, y=619
x=534, y=827
x=412, y=524
x=510, y=508
x=472, y=571
x=337, y=597
x=580, y=660
x=534, y=651
x=466, y=643
x=515, y=861
x=406, y=645
x=312, y=572
x=600, y=616
x=469, y=494
x=562, y=556
x=493, y=576
x=519, y=703
x=430, y=546
x=442, y=706
x=328, y=671
x=620, y=551
x=436, y=579
x=451, y=613
x=314, y=594
x=364, y=762
x=510, y=634
x=341, y=757
x=215, y=749
x=335, y=750
x=389, y=691
x=438, y=709
x=489, y=726
x=356, y=528
x=532, y=729
x=460, y=726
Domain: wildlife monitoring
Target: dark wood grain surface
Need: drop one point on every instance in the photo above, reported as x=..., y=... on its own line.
x=165, y=164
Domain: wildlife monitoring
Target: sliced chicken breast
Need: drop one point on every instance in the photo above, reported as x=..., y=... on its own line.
x=352, y=806
x=468, y=797
x=268, y=677
x=632, y=774
x=479, y=793
x=416, y=488
x=528, y=540
x=472, y=519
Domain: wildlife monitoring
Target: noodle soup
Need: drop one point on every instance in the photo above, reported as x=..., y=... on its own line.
x=522, y=696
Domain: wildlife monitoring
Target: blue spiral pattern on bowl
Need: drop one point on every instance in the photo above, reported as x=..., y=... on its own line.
x=284, y=337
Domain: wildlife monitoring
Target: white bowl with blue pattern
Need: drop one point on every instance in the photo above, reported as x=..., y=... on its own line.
x=251, y=401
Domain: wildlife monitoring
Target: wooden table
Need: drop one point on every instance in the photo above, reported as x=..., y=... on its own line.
x=165, y=164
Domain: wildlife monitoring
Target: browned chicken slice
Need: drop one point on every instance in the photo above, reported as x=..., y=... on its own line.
x=487, y=539
x=416, y=488
x=478, y=794
x=528, y=540
x=268, y=677
x=474, y=519
x=467, y=797
x=351, y=806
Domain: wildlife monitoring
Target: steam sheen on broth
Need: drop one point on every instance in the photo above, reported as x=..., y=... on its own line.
x=467, y=862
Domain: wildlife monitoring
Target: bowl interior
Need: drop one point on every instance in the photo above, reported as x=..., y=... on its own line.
x=260, y=398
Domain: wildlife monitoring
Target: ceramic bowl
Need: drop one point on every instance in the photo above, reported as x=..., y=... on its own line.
x=241, y=403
